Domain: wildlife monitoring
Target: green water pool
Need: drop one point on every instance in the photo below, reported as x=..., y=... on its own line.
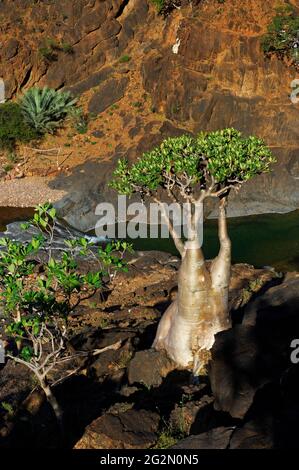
x=261, y=240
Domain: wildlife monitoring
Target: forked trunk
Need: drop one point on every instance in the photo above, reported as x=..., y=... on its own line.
x=188, y=327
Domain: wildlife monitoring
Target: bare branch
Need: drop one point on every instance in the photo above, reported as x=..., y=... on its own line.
x=220, y=269
x=21, y=361
x=176, y=238
x=114, y=347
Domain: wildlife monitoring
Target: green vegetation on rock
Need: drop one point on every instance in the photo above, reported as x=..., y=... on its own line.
x=165, y=7
x=51, y=47
x=13, y=128
x=125, y=58
x=78, y=119
x=45, y=108
x=282, y=37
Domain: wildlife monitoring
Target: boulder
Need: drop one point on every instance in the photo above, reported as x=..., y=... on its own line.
x=278, y=306
x=149, y=368
x=256, y=353
x=193, y=416
x=217, y=438
x=133, y=429
x=253, y=435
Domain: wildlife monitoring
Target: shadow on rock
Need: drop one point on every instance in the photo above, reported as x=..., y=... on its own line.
x=251, y=373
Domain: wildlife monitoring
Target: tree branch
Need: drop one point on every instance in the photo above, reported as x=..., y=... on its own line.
x=221, y=265
x=222, y=227
x=176, y=238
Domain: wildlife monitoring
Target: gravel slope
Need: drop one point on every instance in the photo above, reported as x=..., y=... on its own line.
x=28, y=192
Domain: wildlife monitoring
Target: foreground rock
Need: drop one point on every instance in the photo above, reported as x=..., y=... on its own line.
x=257, y=352
x=250, y=436
x=133, y=429
x=217, y=438
x=149, y=368
x=253, y=435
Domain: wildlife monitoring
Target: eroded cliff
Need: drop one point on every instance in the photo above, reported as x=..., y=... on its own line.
x=143, y=77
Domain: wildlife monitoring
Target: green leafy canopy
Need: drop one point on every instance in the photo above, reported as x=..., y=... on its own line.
x=224, y=156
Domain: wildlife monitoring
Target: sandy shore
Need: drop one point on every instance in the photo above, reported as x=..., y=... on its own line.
x=28, y=192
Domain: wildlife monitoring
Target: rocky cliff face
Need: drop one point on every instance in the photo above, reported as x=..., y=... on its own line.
x=201, y=68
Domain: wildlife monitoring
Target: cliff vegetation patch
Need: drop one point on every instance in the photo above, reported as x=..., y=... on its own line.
x=282, y=37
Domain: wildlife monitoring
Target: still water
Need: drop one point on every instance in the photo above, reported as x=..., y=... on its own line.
x=261, y=240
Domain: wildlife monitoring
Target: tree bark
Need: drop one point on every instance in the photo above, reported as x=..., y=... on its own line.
x=53, y=402
x=221, y=268
x=189, y=325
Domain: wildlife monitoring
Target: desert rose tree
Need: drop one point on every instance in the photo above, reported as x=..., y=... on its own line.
x=189, y=170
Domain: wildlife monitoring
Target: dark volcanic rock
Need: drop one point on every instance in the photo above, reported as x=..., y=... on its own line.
x=217, y=438
x=253, y=435
x=133, y=429
x=92, y=81
x=108, y=93
x=195, y=416
x=235, y=368
x=149, y=368
x=98, y=134
x=86, y=187
x=256, y=353
x=10, y=49
x=110, y=28
x=91, y=22
x=168, y=129
x=130, y=23
x=277, y=306
x=15, y=382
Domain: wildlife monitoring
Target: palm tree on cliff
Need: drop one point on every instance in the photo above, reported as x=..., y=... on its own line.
x=189, y=170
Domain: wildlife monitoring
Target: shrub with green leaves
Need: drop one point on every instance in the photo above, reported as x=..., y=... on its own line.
x=165, y=7
x=124, y=58
x=79, y=120
x=66, y=48
x=44, y=109
x=13, y=128
x=223, y=157
x=39, y=296
x=47, y=53
x=282, y=37
x=158, y=4
x=50, y=48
